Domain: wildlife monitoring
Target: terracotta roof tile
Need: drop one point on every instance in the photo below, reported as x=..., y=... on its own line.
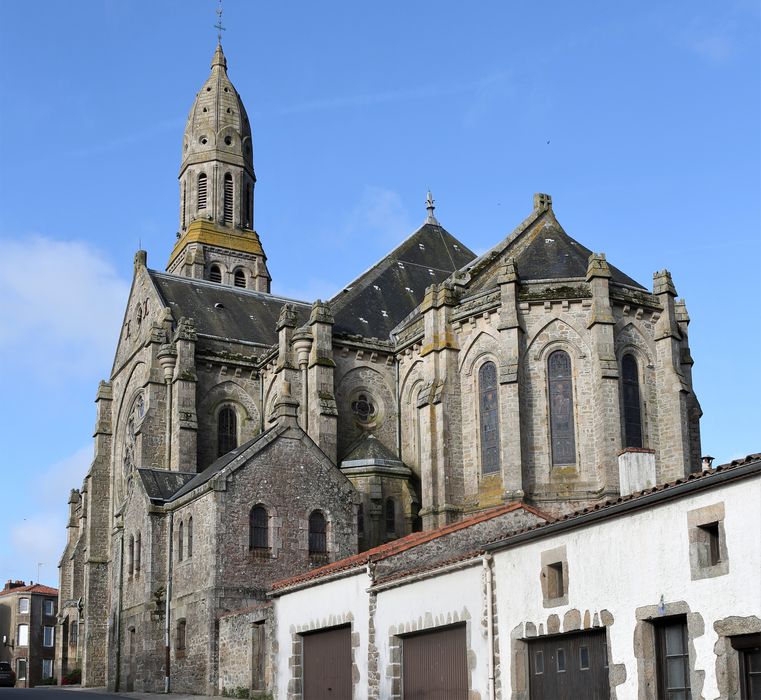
x=403, y=544
x=33, y=588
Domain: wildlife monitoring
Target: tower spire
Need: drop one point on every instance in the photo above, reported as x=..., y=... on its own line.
x=430, y=206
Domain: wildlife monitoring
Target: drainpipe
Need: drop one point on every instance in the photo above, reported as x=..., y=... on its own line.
x=398, y=413
x=167, y=357
x=487, y=559
x=168, y=597
x=118, y=621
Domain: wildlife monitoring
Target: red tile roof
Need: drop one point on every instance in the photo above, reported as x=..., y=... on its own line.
x=31, y=588
x=403, y=544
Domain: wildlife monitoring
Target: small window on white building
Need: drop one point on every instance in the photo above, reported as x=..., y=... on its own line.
x=23, y=636
x=23, y=606
x=709, y=556
x=48, y=636
x=47, y=668
x=49, y=607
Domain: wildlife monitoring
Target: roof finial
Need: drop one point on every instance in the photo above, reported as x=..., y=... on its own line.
x=218, y=26
x=430, y=206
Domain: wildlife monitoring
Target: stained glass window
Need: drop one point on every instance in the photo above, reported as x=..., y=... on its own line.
x=489, y=414
x=318, y=541
x=632, y=411
x=227, y=431
x=258, y=526
x=561, y=408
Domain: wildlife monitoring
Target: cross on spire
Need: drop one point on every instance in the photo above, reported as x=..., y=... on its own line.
x=218, y=26
x=430, y=206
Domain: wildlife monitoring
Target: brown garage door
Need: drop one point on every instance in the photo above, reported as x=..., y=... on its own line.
x=569, y=667
x=327, y=664
x=434, y=665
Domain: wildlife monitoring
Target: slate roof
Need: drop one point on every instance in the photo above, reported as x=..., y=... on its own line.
x=374, y=303
x=161, y=485
x=217, y=466
x=550, y=253
x=223, y=311
x=367, y=448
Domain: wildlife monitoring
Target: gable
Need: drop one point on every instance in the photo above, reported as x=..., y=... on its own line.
x=541, y=251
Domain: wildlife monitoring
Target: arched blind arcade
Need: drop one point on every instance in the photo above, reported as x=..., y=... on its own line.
x=228, y=203
x=227, y=431
x=561, y=408
x=489, y=417
x=631, y=401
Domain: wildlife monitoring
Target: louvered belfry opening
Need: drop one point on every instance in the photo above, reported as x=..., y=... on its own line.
x=202, y=191
x=240, y=278
x=215, y=274
x=228, y=211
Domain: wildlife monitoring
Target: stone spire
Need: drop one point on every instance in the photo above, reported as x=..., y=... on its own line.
x=217, y=189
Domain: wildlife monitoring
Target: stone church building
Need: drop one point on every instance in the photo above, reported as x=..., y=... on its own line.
x=243, y=438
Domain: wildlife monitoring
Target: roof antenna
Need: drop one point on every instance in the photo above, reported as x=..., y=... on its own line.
x=218, y=26
x=430, y=206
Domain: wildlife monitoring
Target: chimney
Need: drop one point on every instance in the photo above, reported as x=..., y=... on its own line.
x=707, y=462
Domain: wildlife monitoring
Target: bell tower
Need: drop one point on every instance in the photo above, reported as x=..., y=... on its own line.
x=216, y=239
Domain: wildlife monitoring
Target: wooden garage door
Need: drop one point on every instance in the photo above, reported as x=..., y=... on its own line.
x=434, y=665
x=327, y=664
x=569, y=667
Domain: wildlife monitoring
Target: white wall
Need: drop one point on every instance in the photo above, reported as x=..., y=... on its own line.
x=318, y=607
x=430, y=603
x=631, y=561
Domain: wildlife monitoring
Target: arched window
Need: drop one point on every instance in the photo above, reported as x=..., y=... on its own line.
x=190, y=536
x=215, y=274
x=227, y=431
x=240, y=278
x=361, y=521
x=180, y=541
x=183, y=206
x=318, y=541
x=249, y=212
x=228, y=203
x=138, y=553
x=417, y=521
x=632, y=411
x=390, y=518
x=181, y=631
x=131, y=555
x=562, y=433
x=258, y=528
x=488, y=403
x=201, y=191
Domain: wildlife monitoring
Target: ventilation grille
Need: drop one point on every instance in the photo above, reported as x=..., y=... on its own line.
x=228, y=213
x=202, y=191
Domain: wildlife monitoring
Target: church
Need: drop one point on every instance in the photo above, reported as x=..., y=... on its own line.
x=243, y=439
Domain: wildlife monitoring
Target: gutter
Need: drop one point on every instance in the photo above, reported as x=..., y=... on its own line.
x=639, y=502
x=489, y=575
x=346, y=573
x=420, y=576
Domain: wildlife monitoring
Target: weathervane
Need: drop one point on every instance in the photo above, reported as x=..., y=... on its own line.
x=218, y=26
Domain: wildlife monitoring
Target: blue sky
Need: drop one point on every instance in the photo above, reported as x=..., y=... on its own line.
x=641, y=119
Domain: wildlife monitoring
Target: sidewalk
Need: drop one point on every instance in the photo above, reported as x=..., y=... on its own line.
x=137, y=696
